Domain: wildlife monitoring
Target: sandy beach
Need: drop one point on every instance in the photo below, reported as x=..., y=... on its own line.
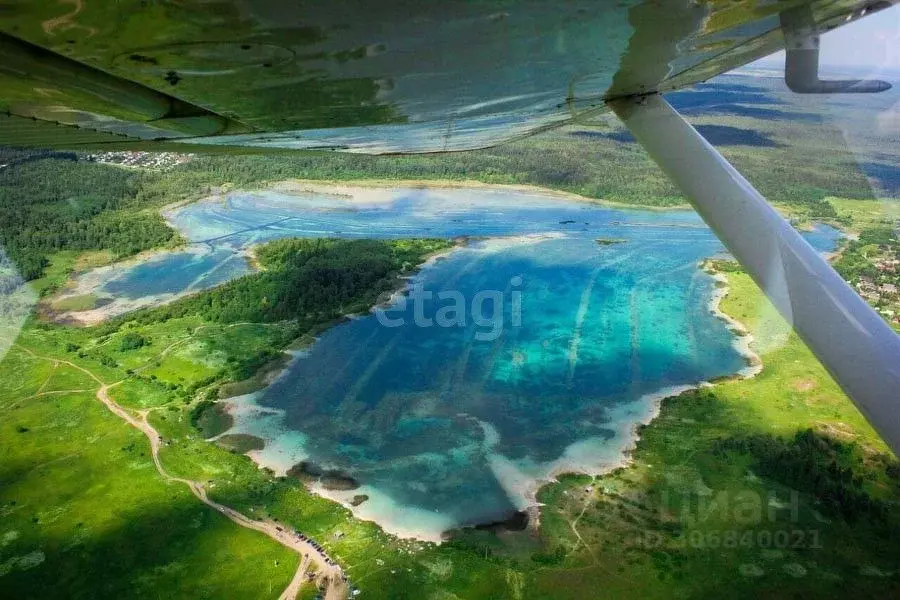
x=520, y=479
x=352, y=188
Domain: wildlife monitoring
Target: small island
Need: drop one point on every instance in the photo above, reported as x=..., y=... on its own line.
x=609, y=241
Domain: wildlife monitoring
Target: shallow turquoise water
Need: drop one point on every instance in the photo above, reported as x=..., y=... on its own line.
x=452, y=425
x=403, y=408
x=177, y=272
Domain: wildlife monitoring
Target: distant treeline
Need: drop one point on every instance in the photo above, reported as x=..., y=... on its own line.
x=48, y=204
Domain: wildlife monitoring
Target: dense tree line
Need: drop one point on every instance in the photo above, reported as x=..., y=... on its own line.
x=50, y=205
x=836, y=473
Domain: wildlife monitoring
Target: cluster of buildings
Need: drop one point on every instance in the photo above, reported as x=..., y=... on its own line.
x=883, y=290
x=159, y=161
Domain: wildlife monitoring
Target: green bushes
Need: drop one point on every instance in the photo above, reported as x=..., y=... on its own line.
x=198, y=410
x=132, y=341
x=834, y=472
x=556, y=557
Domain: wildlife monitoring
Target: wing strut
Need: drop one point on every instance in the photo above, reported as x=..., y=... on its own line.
x=851, y=340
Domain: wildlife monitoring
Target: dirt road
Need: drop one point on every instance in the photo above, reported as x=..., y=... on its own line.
x=330, y=574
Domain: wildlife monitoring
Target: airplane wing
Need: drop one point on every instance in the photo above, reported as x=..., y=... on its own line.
x=357, y=76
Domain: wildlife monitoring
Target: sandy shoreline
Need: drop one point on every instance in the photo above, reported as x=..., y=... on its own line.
x=344, y=189
x=522, y=482
x=597, y=456
x=593, y=456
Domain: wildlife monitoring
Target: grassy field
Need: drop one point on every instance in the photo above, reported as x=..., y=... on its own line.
x=85, y=515
x=864, y=214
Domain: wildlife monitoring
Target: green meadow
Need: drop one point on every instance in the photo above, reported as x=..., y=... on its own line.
x=85, y=515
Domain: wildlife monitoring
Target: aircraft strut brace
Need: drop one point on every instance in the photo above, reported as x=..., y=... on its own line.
x=851, y=340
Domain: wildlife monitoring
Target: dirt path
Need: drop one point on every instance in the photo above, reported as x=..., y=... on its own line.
x=574, y=525
x=293, y=588
x=19, y=401
x=67, y=21
x=331, y=574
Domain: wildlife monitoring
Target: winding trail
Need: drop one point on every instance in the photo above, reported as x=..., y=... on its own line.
x=293, y=588
x=67, y=21
x=574, y=525
x=331, y=574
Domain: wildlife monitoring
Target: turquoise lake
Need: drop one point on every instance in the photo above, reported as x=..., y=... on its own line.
x=456, y=425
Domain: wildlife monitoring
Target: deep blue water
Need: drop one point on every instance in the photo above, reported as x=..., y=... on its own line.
x=452, y=425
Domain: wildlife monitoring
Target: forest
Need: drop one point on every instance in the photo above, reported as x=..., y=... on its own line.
x=53, y=204
x=833, y=471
